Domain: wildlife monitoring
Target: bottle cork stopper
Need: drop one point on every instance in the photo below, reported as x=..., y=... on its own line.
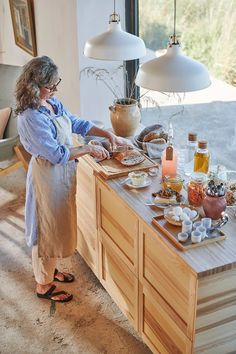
x=192, y=136
x=202, y=144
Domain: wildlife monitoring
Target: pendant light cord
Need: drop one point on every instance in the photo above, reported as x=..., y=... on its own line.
x=114, y=17
x=174, y=17
x=173, y=38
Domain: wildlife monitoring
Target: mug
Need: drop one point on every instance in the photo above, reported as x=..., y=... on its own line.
x=206, y=222
x=182, y=236
x=202, y=231
x=196, y=224
x=196, y=236
x=187, y=226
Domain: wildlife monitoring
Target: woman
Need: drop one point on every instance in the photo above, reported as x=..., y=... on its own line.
x=45, y=127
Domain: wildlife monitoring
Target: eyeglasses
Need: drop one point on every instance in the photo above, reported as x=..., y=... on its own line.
x=53, y=87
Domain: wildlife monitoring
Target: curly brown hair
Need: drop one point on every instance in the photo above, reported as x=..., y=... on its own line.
x=37, y=73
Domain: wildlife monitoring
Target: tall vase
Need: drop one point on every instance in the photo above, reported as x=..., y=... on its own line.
x=125, y=116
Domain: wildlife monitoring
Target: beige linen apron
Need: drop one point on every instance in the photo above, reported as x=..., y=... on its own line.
x=55, y=188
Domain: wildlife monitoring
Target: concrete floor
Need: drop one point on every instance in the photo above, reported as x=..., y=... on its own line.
x=90, y=324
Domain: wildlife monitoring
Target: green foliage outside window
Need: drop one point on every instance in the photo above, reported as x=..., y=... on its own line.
x=205, y=28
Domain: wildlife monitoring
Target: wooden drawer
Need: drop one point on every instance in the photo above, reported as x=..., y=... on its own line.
x=118, y=222
x=160, y=325
x=216, y=314
x=119, y=281
x=87, y=244
x=169, y=276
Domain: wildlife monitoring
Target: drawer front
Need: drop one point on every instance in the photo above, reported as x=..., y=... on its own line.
x=87, y=244
x=216, y=313
x=118, y=221
x=119, y=281
x=170, y=277
x=160, y=325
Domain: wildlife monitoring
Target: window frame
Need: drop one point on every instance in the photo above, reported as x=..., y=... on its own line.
x=132, y=26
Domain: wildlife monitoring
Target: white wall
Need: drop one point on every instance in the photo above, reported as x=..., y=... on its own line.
x=56, y=26
x=62, y=28
x=93, y=18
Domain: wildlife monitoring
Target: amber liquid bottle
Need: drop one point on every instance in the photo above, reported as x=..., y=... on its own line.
x=201, y=158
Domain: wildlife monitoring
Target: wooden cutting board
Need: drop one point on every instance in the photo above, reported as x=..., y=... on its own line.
x=112, y=168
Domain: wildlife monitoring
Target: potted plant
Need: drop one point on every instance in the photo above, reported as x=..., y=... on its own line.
x=125, y=111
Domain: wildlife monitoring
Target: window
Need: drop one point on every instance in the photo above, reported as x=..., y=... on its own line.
x=206, y=32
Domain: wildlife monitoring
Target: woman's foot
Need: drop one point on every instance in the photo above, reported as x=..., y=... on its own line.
x=63, y=277
x=48, y=292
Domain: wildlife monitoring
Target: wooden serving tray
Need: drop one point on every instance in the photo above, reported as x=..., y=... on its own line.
x=171, y=231
x=112, y=168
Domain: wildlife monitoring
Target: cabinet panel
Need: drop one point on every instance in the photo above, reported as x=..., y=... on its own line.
x=169, y=275
x=118, y=222
x=87, y=244
x=160, y=325
x=216, y=314
x=119, y=281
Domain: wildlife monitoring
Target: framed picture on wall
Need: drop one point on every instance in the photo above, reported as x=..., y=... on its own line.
x=22, y=15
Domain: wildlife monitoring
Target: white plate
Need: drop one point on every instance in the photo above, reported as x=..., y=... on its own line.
x=147, y=183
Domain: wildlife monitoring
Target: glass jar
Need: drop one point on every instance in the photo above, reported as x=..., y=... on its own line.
x=196, y=189
x=175, y=183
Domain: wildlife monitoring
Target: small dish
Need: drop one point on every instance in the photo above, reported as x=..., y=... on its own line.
x=153, y=171
x=146, y=183
x=168, y=211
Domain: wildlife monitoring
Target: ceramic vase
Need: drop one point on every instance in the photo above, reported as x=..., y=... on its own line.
x=125, y=116
x=214, y=206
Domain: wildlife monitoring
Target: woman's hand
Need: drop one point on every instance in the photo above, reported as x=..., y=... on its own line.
x=98, y=152
x=118, y=141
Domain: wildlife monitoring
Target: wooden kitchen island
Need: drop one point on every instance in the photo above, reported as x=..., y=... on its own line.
x=179, y=302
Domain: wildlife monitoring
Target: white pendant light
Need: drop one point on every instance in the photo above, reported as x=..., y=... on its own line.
x=115, y=44
x=173, y=71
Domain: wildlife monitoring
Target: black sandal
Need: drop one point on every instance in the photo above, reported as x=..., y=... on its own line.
x=67, y=278
x=49, y=294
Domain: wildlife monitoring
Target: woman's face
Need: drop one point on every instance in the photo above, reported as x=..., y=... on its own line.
x=47, y=92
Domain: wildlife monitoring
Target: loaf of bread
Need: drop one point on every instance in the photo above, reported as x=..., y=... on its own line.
x=151, y=128
x=159, y=141
x=151, y=136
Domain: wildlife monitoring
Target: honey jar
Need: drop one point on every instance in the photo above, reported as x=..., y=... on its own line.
x=173, y=182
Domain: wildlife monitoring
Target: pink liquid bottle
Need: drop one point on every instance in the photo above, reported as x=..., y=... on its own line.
x=169, y=157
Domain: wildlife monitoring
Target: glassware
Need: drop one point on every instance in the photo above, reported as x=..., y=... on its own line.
x=196, y=188
x=169, y=156
x=173, y=182
x=138, y=177
x=181, y=159
x=201, y=158
x=190, y=151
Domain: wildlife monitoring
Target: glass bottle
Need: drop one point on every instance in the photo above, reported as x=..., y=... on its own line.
x=190, y=151
x=201, y=157
x=169, y=157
